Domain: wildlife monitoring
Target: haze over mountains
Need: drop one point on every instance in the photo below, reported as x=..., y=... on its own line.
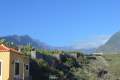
x=26, y=39
x=111, y=46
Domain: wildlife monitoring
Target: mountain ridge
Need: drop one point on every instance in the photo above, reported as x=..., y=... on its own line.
x=25, y=40
x=112, y=45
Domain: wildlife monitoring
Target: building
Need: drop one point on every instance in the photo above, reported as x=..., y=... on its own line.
x=37, y=55
x=13, y=64
x=57, y=56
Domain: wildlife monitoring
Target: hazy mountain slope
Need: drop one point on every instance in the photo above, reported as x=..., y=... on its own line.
x=88, y=50
x=112, y=45
x=25, y=40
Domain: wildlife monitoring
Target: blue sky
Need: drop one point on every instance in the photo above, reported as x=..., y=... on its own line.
x=61, y=22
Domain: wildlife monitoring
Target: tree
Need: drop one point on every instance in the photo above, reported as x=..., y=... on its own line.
x=7, y=43
x=26, y=50
x=3, y=41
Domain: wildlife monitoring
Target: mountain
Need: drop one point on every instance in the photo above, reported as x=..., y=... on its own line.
x=25, y=40
x=112, y=45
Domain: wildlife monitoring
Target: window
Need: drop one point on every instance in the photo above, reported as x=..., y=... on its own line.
x=27, y=67
x=17, y=68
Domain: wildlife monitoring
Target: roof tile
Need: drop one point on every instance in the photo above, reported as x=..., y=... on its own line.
x=4, y=48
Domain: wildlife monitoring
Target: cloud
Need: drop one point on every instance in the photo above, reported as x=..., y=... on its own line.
x=93, y=42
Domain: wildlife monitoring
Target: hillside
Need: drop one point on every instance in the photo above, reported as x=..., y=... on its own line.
x=98, y=68
x=112, y=45
x=25, y=40
x=113, y=61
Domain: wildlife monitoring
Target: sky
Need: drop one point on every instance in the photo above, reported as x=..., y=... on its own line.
x=82, y=23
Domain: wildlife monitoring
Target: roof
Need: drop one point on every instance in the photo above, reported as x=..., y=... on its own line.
x=4, y=48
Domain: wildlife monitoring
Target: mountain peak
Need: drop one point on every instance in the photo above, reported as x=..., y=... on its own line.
x=25, y=40
x=112, y=45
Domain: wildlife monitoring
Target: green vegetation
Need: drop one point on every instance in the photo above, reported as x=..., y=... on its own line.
x=114, y=64
x=26, y=49
x=49, y=52
x=63, y=69
x=7, y=43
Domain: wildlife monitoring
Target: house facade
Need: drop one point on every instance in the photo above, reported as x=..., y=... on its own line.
x=13, y=64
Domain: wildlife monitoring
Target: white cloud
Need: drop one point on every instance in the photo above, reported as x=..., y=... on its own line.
x=93, y=42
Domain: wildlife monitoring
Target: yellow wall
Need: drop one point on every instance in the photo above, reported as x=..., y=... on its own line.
x=8, y=59
x=4, y=56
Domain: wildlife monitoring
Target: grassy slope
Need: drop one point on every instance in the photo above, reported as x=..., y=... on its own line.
x=114, y=63
x=90, y=72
